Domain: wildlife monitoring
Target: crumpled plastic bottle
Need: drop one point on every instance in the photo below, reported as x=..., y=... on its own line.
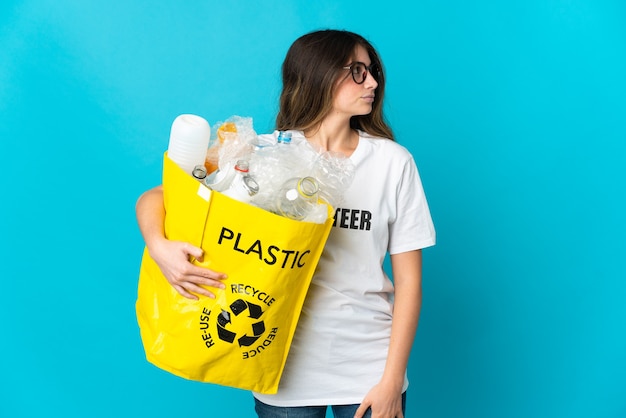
x=242, y=186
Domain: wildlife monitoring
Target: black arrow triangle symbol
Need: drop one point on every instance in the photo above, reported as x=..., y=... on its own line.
x=223, y=318
x=255, y=310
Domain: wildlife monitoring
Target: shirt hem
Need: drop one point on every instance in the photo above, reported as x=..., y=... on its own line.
x=416, y=246
x=347, y=400
x=306, y=402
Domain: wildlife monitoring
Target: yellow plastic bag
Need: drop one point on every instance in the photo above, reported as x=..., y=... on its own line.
x=242, y=337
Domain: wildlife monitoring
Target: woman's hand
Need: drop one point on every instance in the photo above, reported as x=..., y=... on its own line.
x=173, y=257
x=385, y=401
x=174, y=260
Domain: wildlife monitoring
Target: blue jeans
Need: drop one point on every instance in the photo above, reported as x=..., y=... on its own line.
x=339, y=411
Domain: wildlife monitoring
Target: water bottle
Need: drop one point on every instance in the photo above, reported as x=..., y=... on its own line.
x=243, y=186
x=271, y=165
x=297, y=197
x=189, y=141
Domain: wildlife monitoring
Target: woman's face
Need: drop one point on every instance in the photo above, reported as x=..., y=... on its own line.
x=352, y=99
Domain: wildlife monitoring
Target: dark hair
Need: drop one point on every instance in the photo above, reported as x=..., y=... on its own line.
x=311, y=68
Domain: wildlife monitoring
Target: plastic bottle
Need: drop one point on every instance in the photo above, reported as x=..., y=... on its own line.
x=297, y=197
x=226, y=131
x=219, y=180
x=243, y=186
x=272, y=166
x=285, y=151
x=189, y=141
x=199, y=172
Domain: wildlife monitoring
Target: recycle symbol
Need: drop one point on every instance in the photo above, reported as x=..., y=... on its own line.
x=237, y=307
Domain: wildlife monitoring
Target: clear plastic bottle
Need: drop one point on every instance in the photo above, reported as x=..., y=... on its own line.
x=272, y=164
x=297, y=197
x=243, y=186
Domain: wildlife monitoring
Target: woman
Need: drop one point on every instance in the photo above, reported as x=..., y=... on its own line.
x=356, y=330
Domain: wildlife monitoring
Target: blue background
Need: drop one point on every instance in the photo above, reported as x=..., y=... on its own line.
x=514, y=111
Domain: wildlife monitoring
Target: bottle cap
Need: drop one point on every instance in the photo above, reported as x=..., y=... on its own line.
x=284, y=137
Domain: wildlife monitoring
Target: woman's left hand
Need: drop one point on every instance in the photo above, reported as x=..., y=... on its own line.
x=384, y=400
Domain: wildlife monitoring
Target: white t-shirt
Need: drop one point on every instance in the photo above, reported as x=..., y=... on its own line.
x=340, y=346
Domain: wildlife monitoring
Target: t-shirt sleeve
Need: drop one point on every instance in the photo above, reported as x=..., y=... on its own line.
x=412, y=228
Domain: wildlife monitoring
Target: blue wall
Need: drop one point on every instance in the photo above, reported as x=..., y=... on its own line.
x=514, y=111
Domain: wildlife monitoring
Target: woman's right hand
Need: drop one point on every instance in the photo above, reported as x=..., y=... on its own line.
x=173, y=257
x=174, y=260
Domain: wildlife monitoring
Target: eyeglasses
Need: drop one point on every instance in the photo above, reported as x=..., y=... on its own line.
x=359, y=71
